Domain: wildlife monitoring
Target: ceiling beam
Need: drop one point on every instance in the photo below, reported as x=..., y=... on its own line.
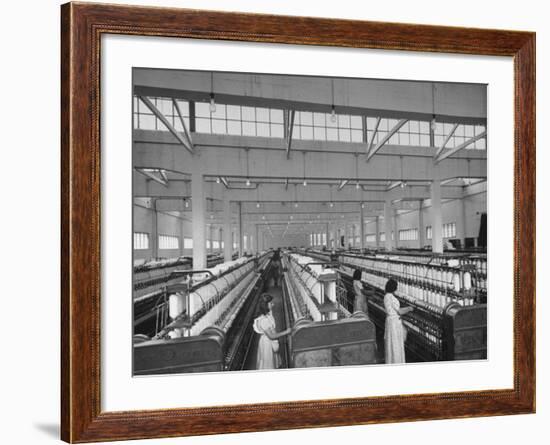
x=343, y=184
x=182, y=120
x=371, y=143
x=163, y=181
x=290, y=128
x=445, y=142
x=452, y=151
x=167, y=124
x=386, y=138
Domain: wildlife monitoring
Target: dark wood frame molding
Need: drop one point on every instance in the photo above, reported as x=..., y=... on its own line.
x=82, y=26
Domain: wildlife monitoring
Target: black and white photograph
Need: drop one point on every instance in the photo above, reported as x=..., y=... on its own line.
x=285, y=221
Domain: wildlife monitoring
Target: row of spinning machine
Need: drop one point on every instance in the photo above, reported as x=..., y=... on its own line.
x=208, y=326
x=449, y=296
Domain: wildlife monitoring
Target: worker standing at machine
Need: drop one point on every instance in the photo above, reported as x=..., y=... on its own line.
x=395, y=334
x=264, y=324
x=360, y=300
x=277, y=269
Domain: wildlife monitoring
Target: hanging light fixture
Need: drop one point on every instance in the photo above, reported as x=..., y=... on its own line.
x=212, y=101
x=218, y=180
x=186, y=202
x=357, y=186
x=247, y=170
x=248, y=182
x=257, y=205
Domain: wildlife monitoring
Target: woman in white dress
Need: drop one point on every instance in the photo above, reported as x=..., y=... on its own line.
x=394, y=336
x=264, y=325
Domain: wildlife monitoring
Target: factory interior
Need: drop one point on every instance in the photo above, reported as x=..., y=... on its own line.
x=318, y=192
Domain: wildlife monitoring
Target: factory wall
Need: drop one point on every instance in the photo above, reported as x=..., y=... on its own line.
x=166, y=225
x=474, y=206
x=287, y=241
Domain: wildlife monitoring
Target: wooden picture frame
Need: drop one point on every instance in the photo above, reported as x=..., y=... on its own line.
x=82, y=26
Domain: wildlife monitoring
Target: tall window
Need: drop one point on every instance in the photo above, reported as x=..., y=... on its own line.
x=416, y=133
x=239, y=120
x=321, y=127
x=460, y=136
x=144, y=118
x=141, y=241
x=449, y=230
x=187, y=243
x=168, y=242
x=408, y=235
x=370, y=238
x=382, y=236
x=428, y=232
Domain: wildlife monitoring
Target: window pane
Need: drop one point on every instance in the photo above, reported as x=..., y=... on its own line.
x=202, y=109
x=320, y=133
x=233, y=112
x=404, y=139
x=425, y=140
x=165, y=106
x=277, y=131
x=343, y=121
x=394, y=140
x=414, y=139
x=438, y=140
x=248, y=114
x=344, y=135
x=184, y=107
x=469, y=131
x=220, y=112
x=202, y=125
x=332, y=134
x=414, y=127
x=356, y=136
x=249, y=129
x=262, y=130
x=459, y=130
x=262, y=114
x=307, y=133
x=371, y=123
x=277, y=116
x=218, y=126
x=234, y=127
x=424, y=127
x=356, y=122
x=319, y=119
x=306, y=118
x=147, y=122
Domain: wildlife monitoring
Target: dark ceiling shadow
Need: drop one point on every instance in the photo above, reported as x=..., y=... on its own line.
x=50, y=429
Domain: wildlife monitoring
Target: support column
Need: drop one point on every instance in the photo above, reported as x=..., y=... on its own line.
x=227, y=234
x=437, y=220
x=362, y=227
x=388, y=223
x=353, y=235
x=346, y=233
x=240, y=234
x=395, y=228
x=154, y=230
x=210, y=237
x=421, y=231
x=327, y=235
x=335, y=236
x=256, y=239
x=461, y=222
x=377, y=227
x=198, y=215
x=220, y=239
x=182, y=237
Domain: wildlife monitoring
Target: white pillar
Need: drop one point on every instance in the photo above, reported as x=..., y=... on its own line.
x=421, y=231
x=240, y=234
x=198, y=215
x=377, y=227
x=256, y=239
x=210, y=237
x=362, y=227
x=154, y=230
x=437, y=220
x=461, y=222
x=335, y=236
x=388, y=223
x=395, y=228
x=182, y=235
x=227, y=234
